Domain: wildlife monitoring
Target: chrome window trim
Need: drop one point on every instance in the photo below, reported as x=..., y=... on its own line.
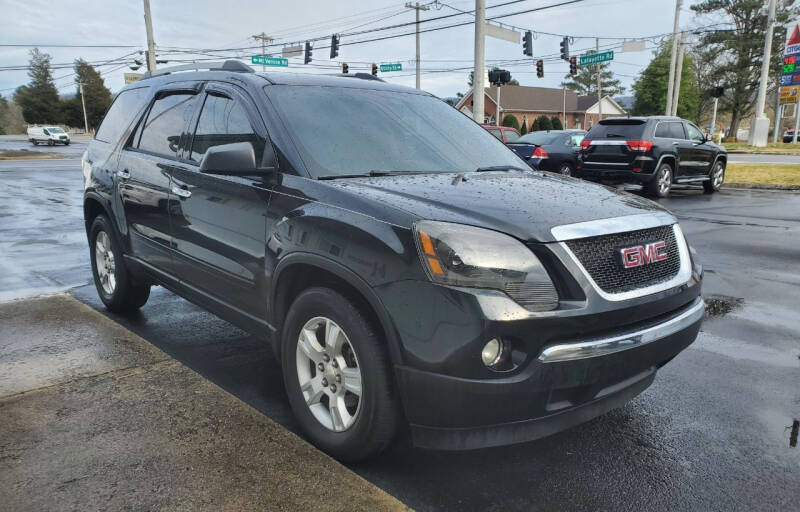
x=603, y=346
x=612, y=225
x=615, y=164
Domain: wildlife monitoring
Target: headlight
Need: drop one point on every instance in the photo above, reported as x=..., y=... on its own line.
x=460, y=255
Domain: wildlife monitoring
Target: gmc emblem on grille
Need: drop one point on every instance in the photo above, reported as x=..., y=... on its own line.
x=643, y=254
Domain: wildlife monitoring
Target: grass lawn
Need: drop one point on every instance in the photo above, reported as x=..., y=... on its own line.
x=763, y=174
x=780, y=147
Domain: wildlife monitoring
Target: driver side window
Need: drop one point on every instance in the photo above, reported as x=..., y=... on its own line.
x=223, y=120
x=693, y=133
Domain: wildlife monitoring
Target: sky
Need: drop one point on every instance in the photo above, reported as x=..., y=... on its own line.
x=182, y=26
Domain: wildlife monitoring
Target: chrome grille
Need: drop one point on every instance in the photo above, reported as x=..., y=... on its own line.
x=535, y=296
x=600, y=256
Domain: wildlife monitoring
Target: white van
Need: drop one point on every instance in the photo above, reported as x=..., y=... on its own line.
x=49, y=135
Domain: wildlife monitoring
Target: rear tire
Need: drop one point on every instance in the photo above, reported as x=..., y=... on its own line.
x=35, y=142
x=716, y=178
x=51, y=142
x=116, y=287
x=340, y=352
x=661, y=183
x=565, y=169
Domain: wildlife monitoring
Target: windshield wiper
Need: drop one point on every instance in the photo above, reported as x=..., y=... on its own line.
x=370, y=174
x=500, y=168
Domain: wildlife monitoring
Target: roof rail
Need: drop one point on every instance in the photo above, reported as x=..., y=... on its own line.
x=228, y=65
x=360, y=76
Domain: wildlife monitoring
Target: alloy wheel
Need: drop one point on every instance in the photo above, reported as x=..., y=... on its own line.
x=566, y=170
x=718, y=177
x=664, y=181
x=104, y=262
x=328, y=374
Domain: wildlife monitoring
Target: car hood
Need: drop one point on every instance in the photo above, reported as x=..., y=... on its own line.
x=524, y=204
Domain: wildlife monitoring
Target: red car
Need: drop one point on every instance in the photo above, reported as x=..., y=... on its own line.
x=506, y=134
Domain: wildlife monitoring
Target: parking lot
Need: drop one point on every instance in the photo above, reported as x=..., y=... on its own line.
x=712, y=433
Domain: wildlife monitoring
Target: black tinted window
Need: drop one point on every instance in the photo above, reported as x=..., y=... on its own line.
x=662, y=130
x=539, y=138
x=631, y=130
x=676, y=131
x=498, y=135
x=223, y=121
x=693, y=132
x=120, y=114
x=161, y=132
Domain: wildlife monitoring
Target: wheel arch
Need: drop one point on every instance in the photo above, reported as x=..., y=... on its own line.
x=299, y=271
x=93, y=205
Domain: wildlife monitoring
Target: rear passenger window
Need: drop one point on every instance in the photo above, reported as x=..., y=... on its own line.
x=223, y=121
x=497, y=134
x=120, y=114
x=662, y=130
x=676, y=131
x=161, y=131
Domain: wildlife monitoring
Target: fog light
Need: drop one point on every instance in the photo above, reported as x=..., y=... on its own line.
x=492, y=353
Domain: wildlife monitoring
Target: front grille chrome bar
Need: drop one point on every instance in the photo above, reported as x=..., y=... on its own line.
x=603, y=346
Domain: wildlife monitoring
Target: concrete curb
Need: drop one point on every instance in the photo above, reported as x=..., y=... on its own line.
x=760, y=186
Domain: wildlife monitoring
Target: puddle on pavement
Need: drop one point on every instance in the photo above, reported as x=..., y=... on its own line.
x=721, y=305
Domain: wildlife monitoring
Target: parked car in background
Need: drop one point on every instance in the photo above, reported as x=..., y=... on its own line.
x=427, y=279
x=552, y=150
x=504, y=133
x=788, y=135
x=654, y=151
x=49, y=135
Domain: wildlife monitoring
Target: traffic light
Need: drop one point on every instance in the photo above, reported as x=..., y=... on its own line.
x=565, y=48
x=573, y=66
x=345, y=68
x=716, y=92
x=308, y=54
x=374, y=69
x=527, y=44
x=334, y=46
x=540, y=68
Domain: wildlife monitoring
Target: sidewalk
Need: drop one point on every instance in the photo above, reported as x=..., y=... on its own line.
x=92, y=417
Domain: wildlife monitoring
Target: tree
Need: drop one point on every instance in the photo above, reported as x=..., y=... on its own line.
x=11, y=118
x=542, y=123
x=585, y=82
x=524, y=129
x=3, y=111
x=651, y=86
x=39, y=99
x=511, y=121
x=556, y=122
x=737, y=54
x=97, y=95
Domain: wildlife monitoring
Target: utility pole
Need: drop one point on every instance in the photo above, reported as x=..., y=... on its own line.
x=151, y=45
x=599, y=84
x=497, y=121
x=479, y=69
x=418, y=8
x=678, y=74
x=778, y=111
x=264, y=40
x=83, y=102
x=759, y=126
x=564, y=111
x=714, y=119
x=673, y=57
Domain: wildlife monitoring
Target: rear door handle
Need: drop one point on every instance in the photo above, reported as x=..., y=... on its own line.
x=676, y=143
x=181, y=192
x=124, y=174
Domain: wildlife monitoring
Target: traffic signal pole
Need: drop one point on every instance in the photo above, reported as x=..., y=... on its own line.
x=479, y=68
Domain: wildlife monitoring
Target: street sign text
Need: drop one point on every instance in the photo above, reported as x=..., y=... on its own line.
x=596, y=58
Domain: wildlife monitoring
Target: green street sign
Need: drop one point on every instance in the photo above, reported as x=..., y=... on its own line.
x=391, y=67
x=269, y=61
x=596, y=58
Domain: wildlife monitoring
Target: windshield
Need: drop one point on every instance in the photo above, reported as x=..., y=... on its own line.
x=511, y=136
x=341, y=131
x=539, y=138
x=56, y=129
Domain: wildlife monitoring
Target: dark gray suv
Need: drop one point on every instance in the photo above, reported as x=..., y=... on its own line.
x=406, y=266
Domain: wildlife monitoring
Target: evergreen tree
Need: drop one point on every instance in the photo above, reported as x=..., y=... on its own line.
x=651, y=86
x=39, y=99
x=585, y=82
x=556, y=122
x=3, y=114
x=511, y=121
x=544, y=123
x=524, y=129
x=98, y=96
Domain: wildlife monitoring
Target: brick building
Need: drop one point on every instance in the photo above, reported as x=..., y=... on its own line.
x=528, y=103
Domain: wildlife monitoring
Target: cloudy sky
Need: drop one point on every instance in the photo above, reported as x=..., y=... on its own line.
x=201, y=29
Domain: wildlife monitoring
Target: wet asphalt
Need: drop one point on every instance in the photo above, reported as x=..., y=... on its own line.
x=712, y=433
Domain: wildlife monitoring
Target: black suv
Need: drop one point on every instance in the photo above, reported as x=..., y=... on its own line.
x=407, y=267
x=653, y=151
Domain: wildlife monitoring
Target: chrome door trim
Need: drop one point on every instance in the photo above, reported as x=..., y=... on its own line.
x=611, y=225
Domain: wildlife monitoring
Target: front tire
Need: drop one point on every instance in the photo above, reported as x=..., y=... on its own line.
x=715, y=180
x=565, y=169
x=338, y=376
x=51, y=142
x=114, y=284
x=661, y=183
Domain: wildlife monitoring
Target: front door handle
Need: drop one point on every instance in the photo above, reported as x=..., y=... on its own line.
x=181, y=192
x=124, y=174
x=676, y=143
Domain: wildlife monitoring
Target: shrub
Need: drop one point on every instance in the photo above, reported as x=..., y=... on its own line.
x=511, y=121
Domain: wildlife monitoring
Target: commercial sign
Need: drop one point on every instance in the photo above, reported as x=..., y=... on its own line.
x=789, y=94
x=391, y=67
x=292, y=51
x=596, y=58
x=791, y=60
x=132, y=77
x=498, y=32
x=269, y=61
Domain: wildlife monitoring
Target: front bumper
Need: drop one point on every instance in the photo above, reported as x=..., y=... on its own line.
x=570, y=382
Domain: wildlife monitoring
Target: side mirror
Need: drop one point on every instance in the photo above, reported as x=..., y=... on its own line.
x=237, y=159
